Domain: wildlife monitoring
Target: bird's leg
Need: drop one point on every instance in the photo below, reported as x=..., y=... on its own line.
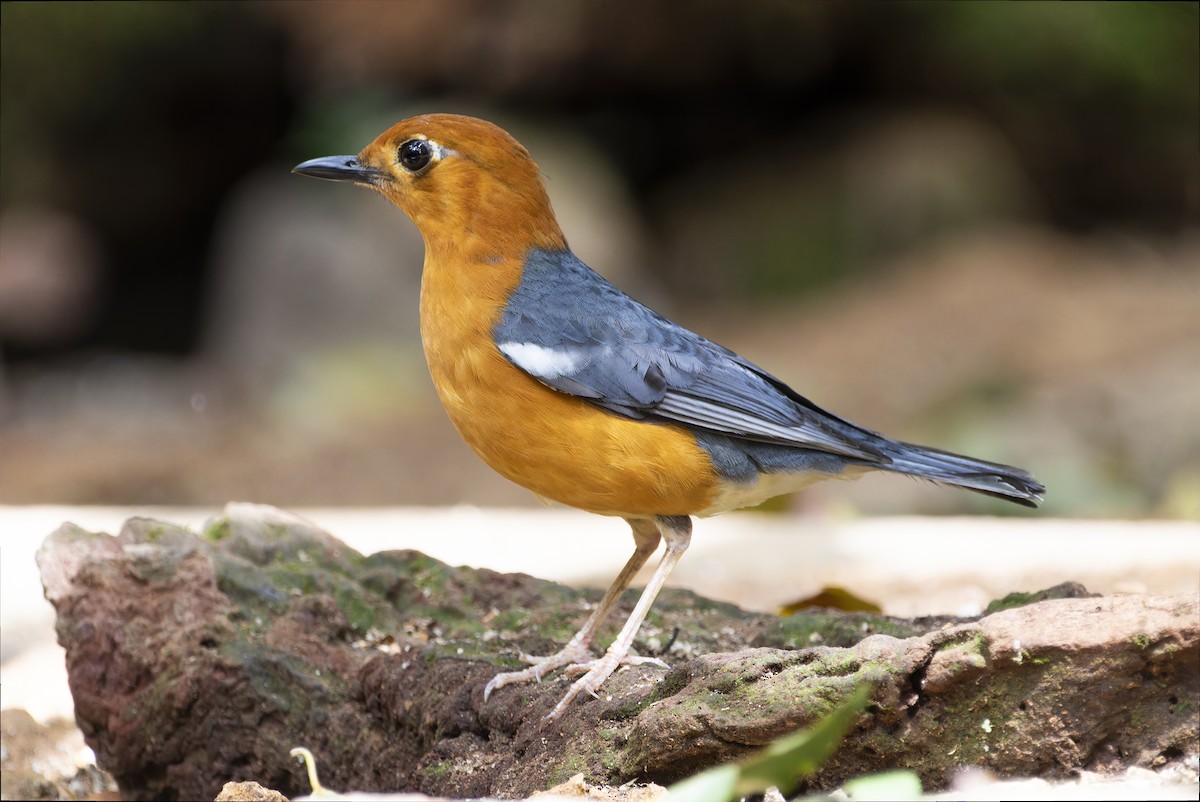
x=646, y=538
x=676, y=530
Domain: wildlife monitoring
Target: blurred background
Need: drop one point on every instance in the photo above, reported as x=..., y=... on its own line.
x=972, y=225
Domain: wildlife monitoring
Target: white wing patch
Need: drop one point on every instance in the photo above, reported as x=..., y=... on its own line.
x=540, y=361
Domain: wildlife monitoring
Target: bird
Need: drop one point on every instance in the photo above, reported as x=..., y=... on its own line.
x=572, y=389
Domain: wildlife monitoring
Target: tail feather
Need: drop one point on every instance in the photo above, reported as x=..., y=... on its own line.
x=989, y=478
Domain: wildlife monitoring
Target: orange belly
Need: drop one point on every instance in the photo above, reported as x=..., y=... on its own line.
x=567, y=450
x=563, y=448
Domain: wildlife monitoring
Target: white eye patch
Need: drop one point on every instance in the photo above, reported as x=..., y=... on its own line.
x=436, y=150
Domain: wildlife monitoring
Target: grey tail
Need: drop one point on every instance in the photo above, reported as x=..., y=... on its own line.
x=990, y=478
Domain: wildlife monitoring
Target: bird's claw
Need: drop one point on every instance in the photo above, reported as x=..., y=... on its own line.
x=577, y=669
x=571, y=654
x=597, y=671
x=591, y=672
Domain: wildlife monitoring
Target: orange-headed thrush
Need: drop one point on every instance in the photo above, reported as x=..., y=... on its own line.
x=569, y=387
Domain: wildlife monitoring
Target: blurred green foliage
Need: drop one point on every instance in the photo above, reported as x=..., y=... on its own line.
x=1137, y=54
x=103, y=96
x=65, y=64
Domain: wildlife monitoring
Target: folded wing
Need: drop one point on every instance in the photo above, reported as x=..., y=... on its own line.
x=576, y=333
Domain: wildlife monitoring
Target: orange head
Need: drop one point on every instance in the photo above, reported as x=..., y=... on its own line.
x=456, y=177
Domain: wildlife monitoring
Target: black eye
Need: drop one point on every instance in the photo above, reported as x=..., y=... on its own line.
x=415, y=154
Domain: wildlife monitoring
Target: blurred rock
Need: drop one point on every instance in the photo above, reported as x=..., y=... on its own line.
x=316, y=283
x=50, y=266
x=799, y=214
x=48, y=761
x=248, y=792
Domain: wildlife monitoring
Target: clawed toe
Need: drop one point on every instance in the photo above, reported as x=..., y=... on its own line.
x=578, y=669
x=575, y=662
x=539, y=667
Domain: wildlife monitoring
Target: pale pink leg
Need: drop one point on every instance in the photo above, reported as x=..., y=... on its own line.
x=646, y=537
x=677, y=532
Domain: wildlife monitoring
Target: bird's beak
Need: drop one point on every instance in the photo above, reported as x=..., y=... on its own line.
x=339, y=168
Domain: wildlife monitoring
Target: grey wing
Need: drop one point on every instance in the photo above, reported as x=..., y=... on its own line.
x=579, y=335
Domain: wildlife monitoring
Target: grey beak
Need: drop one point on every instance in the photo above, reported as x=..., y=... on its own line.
x=339, y=168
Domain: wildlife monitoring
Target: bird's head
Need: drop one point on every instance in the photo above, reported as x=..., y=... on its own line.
x=458, y=178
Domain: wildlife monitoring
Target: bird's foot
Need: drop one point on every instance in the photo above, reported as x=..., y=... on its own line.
x=595, y=672
x=586, y=667
x=577, y=660
x=571, y=654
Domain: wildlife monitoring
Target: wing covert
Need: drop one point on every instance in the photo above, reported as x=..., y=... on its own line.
x=577, y=334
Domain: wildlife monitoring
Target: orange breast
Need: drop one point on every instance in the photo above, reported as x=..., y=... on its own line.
x=558, y=446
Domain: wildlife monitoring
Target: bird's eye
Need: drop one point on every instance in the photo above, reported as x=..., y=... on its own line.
x=415, y=154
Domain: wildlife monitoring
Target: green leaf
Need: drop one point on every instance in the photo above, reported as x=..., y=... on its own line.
x=782, y=764
x=714, y=785
x=900, y=786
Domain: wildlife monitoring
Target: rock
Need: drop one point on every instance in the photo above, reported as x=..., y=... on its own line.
x=47, y=761
x=200, y=658
x=248, y=792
